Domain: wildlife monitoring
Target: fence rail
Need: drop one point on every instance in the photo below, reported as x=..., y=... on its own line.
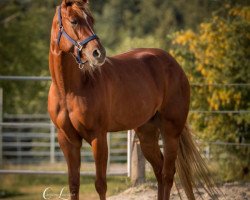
x=18, y=139
x=25, y=125
x=25, y=78
x=36, y=141
x=119, y=147
x=40, y=172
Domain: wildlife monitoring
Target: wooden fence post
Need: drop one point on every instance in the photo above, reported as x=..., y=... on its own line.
x=109, y=150
x=137, y=163
x=52, y=142
x=1, y=120
x=129, y=150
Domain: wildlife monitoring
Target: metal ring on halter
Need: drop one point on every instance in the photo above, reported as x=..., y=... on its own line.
x=80, y=63
x=81, y=66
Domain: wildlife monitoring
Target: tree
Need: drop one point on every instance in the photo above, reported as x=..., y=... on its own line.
x=24, y=45
x=219, y=53
x=120, y=20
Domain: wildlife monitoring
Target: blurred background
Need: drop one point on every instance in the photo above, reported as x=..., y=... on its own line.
x=209, y=38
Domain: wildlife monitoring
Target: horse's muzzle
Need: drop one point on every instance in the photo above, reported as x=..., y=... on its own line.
x=98, y=56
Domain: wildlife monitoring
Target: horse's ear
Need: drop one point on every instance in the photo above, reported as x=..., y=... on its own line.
x=68, y=2
x=72, y=1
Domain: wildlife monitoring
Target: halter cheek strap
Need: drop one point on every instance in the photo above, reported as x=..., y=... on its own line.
x=78, y=45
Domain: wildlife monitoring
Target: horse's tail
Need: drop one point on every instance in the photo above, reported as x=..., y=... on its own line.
x=191, y=167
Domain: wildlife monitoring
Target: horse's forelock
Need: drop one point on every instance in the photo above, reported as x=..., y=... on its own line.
x=80, y=3
x=80, y=6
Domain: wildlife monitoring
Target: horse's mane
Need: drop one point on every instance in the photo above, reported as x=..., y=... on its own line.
x=79, y=6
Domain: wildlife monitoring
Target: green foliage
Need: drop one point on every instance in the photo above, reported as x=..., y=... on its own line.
x=129, y=43
x=217, y=53
x=24, y=38
x=120, y=20
x=24, y=45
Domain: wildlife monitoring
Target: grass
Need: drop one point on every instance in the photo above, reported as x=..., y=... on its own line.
x=31, y=187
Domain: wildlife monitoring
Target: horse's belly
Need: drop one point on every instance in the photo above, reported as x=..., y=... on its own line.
x=133, y=116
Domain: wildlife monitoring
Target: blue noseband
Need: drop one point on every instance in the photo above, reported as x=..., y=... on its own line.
x=78, y=45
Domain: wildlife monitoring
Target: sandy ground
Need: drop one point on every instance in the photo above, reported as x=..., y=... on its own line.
x=232, y=191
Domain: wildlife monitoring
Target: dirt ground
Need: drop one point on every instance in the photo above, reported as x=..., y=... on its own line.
x=231, y=191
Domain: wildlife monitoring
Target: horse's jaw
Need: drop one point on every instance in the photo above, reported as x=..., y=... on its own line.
x=90, y=65
x=97, y=64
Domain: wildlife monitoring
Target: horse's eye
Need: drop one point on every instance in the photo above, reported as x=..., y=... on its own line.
x=73, y=22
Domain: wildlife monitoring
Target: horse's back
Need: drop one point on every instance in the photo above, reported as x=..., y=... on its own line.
x=144, y=58
x=140, y=53
x=142, y=80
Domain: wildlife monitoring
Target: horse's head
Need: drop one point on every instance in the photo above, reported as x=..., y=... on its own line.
x=74, y=33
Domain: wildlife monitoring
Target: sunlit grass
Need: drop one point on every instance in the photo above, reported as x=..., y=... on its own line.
x=30, y=187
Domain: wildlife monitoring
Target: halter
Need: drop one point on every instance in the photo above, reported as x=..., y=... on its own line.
x=78, y=45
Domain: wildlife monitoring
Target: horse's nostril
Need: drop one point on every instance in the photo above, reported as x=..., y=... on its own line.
x=96, y=53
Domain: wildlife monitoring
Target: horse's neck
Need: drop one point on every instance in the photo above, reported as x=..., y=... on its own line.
x=65, y=72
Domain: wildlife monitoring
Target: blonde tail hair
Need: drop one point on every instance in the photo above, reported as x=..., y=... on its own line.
x=192, y=169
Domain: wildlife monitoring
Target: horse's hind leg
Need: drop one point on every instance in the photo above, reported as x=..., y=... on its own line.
x=72, y=155
x=148, y=135
x=170, y=133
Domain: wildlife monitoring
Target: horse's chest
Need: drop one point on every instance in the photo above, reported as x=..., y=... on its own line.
x=75, y=113
x=79, y=113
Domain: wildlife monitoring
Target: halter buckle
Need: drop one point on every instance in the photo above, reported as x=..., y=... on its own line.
x=79, y=46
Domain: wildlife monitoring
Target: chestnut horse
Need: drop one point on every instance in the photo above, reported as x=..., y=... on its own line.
x=91, y=94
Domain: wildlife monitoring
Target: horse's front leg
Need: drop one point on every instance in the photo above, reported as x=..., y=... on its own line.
x=72, y=155
x=100, y=152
